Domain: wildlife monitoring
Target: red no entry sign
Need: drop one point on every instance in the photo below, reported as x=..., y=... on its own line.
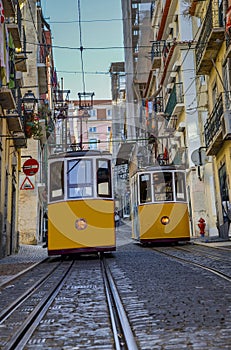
x=30, y=167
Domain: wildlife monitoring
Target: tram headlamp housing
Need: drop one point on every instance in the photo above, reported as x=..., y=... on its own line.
x=80, y=224
x=165, y=220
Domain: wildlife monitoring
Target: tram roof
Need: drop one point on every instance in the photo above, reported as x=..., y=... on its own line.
x=166, y=167
x=80, y=153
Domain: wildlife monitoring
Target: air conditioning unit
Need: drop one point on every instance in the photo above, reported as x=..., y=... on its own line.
x=226, y=125
x=181, y=127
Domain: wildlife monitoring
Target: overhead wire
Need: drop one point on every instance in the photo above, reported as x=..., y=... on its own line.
x=81, y=44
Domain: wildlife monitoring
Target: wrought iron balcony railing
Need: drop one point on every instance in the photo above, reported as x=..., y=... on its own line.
x=211, y=37
x=213, y=123
x=158, y=105
x=156, y=51
x=175, y=98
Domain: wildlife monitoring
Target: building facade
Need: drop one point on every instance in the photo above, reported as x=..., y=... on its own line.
x=169, y=116
x=211, y=24
x=26, y=63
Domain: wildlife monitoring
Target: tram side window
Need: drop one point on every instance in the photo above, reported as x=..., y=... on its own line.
x=103, y=178
x=79, y=178
x=145, y=188
x=163, y=186
x=180, y=186
x=56, y=181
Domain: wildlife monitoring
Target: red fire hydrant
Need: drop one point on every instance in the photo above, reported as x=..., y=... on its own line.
x=201, y=226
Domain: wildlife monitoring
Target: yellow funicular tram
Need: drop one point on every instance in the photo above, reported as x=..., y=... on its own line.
x=80, y=203
x=159, y=205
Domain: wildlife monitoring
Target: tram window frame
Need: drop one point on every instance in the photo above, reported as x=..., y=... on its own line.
x=163, y=186
x=145, y=191
x=103, y=178
x=80, y=181
x=181, y=194
x=56, y=181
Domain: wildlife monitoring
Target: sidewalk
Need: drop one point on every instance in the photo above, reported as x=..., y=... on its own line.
x=27, y=256
x=212, y=242
x=215, y=241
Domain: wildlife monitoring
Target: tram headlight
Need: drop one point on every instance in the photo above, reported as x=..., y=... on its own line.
x=165, y=220
x=81, y=224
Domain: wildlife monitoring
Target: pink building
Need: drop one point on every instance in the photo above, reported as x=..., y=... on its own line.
x=96, y=128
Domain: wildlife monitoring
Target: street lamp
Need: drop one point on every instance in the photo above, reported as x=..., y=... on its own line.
x=29, y=102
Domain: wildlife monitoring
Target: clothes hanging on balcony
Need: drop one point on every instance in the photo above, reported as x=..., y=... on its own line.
x=2, y=17
x=228, y=21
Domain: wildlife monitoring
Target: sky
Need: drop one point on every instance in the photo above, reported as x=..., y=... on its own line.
x=102, y=40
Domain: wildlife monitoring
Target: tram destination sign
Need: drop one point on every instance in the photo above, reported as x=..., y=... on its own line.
x=30, y=167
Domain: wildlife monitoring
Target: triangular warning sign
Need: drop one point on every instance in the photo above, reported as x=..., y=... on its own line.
x=27, y=184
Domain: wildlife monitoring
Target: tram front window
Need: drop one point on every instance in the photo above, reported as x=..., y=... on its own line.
x=104, y=178
x=180, y=187
x=163, y=186
x=56, y=181
x=80, y=178
x=145, y=188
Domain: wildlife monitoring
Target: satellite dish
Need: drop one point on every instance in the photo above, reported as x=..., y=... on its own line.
x=199, y=157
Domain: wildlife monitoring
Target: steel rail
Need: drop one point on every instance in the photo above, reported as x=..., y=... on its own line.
x=13, y=306
x=3, y=284
x=124, y=323
x=212, y=270
x=24, y=332
x=201, y=252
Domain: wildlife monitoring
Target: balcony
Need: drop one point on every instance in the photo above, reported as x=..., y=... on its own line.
x=213, y=130
x=14, y=25
x=20, y=140
x=20, y=56
x=156, y=54
x=9, y=9
x=42, y=54
x=175, y=103
x=7, y=99
x=210, y=39
x=158, y=105
x=14, y=122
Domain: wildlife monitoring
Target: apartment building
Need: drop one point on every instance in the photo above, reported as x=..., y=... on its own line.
x=26, y=65
x=211, y=24
x=164, y=83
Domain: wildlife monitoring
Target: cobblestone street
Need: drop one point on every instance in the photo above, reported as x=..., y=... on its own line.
x=170, y=305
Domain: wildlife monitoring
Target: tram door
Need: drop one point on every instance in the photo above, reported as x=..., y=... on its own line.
x=134, y=208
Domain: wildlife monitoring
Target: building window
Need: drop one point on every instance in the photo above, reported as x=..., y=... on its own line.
x=92, y=129
x=93, y=112
x=108, y=129
x=109, y=113
x=92, y=143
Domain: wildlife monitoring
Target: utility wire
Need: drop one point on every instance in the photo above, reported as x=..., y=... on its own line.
x=81, y=44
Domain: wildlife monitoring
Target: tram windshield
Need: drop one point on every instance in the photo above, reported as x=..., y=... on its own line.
x=56, y=181
x=80, y=178
x=162, y=186
x=180, y=186
x=145, y=188
x=104, y=178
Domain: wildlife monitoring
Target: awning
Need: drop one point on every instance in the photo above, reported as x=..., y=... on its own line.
x=124, y=153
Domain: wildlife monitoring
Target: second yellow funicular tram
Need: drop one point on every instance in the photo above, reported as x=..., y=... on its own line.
x=159, y=208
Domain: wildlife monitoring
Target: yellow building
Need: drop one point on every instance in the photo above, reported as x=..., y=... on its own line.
x=212, y=57
x=12, y=137
x=23, y=129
